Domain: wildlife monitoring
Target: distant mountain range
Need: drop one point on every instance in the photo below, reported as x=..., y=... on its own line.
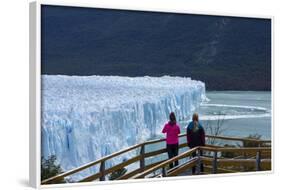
x=227, y=53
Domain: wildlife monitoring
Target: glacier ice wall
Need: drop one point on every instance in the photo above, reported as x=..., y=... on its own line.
x=87, y=117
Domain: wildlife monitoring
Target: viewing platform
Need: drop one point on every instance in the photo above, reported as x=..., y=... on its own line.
x=249, y=155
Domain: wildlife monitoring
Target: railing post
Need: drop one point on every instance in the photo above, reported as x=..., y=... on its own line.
x=102, y=168
x=142, y=159
x=214, y=169
x=258, y=161
x=198, y=164
x=164, y=172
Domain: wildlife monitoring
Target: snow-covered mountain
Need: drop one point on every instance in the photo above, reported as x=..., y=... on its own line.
x=87, y=117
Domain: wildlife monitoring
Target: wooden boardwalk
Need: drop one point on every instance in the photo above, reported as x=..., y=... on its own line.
x=216, y=159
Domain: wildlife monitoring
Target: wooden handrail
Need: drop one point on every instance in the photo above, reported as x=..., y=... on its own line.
x=216, y=137
x=213, y=149
x=184, y=167
x=233, y=162
x=238, y=139
x=134, y=172
x=149, y=154
x=76, y=170
x=109, y=170
x=163, y=164
x=230, y=149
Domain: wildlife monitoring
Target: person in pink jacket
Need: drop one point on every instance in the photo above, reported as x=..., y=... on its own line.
x=172, y=131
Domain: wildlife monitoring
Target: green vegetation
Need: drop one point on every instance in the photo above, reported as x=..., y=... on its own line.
x=118, y=173
x=251, y=143
x=229, y=154
x=49, y=168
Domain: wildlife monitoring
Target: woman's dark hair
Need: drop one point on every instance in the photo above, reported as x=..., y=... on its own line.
x=173, y=119
x=195, y=117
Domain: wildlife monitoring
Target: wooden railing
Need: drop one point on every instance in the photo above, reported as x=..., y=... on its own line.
x=143, y=167
x=197, y=160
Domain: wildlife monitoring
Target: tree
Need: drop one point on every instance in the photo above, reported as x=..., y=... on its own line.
x=215, y=130
x=49, y=168
x=229, y=154
x=253, y=143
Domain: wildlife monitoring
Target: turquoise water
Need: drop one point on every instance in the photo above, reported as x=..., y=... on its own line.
x=241, y=113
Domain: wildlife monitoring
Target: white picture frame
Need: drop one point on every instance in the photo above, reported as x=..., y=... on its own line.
x=35, y=85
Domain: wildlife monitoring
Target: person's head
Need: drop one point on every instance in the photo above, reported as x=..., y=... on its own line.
x=173, y=119
x=195, y=117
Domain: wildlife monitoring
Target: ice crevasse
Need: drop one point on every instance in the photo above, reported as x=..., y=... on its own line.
x=84, y=118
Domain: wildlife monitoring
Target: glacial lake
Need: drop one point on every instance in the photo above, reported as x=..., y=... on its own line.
x=242, y=113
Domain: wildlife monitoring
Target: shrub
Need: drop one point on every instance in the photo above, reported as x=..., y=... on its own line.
x=118, y=173
x=253, y=143
x=229, y=154
x=49, y=168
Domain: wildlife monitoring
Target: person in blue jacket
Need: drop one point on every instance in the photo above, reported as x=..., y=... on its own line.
x=195, y=134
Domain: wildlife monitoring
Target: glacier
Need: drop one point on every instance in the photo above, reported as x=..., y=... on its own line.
x=84, y=118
